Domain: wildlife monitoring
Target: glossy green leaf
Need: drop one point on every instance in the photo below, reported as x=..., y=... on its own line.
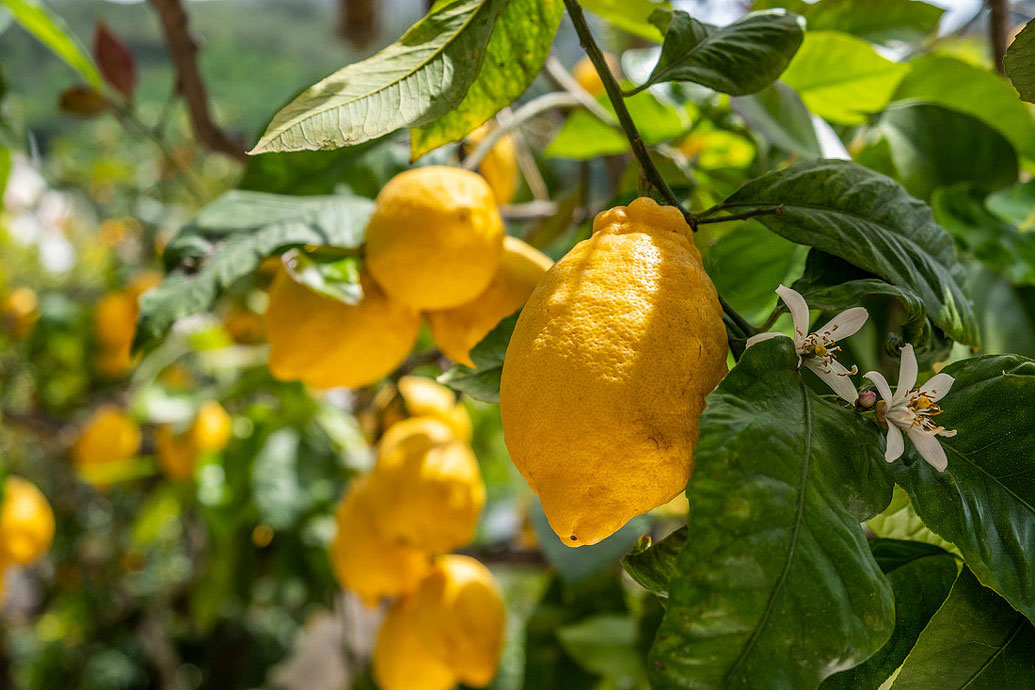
x=1015, y=205
x=742, y=58
x=231, y=237
x=975, y=642
x=778, y=114
x=852, y=293
x=335, y=277
x=870, y=221
x=984, y=501
x=952, y=83
x=51, y=30
x=652, y=567
x=933, y=147
x=776, y=586
x=632, y=16
x=606, y=645
x=899, y=521
x=483, y=382
x=921, y=576
x=842, y=78
x=1020, y=62
x=516, y=52
x=276, y=491
x=419, y=78
x=879, y=21
x=990, y=240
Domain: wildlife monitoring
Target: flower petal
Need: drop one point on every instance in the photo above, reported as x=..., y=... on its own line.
x=798, y=308
x=763, y=336
x=895, y=445
x=937, y=386
x=836, y=376
x=881, y=383
x=845, y=324
x=907, y=371
x=929, y=448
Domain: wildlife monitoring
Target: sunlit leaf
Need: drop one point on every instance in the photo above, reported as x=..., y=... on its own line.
x=880, y=21
x=52, y=32
x=632, y=16
x=1020, y=62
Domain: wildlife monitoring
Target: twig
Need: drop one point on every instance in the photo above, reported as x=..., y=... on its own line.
x=771, y=319
x=526, y=161
x=526, y=112
x=130, y=122
x=743, y=216
x=184, y=52
x=998, y=29
x=614, y=92
x=532, y=210
x=555, y=70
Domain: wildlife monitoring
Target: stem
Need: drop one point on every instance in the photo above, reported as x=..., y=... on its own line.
x=522, y=114
x=746, y=330
x=556, y=71
x=771, y=319
x=129, y=122
x=614, y=93
x=743, y=216
x=526, y=161
x=998, y=28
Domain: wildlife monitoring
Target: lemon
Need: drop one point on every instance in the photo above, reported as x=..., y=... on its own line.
x=586, y=74
x=459, y=329
x=607, y=372
x=499, y=167
x=328, y=343
x=435, y=237
x=19, y=309
x=115, y=320
x=110, y=435
x=419, y=396
x=211, y=429
x=176, y=454
x=460, y=609
x=402, y=660
x=26, y=522
x=366, y=562
x=208, y=433
x=428, y=485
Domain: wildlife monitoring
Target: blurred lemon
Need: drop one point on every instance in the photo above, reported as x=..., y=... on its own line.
x=26, y=522
x=402, y=658
x=586, y=74
x=19, y=309
x=208, y=433
x=110, y=435
x=499, y=167
x=419, y=396
x=435, y=237
x=244, y=325
x=459, y=329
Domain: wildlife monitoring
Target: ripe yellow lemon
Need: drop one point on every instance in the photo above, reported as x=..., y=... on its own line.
x=110, y=435
x=366, y=562
x=428, y=485
x=608, y=369
x=176, y=454
x=208, y=433
x=211, y=429
x=19, y=311
x=115, y=320
x=435, y=237
x=26, y=522
x=460, y=608
x=419, y=396
x=586, y=74
x=459, y=329
x=328, y=343
x=499, y=167
x=402, y=659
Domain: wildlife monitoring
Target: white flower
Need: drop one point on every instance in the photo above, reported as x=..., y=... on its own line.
x=817, y=350
x=910, y=410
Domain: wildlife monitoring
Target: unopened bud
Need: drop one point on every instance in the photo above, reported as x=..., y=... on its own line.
x=867, y=399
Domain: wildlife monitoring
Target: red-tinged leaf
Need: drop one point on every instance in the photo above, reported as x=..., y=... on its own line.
x=115, y=61
x=83, y=101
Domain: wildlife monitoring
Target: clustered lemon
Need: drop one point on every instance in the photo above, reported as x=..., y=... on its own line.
x=419, y=396
x=26, y=524
x=109, y=436
x=208, y=432
x=115, y=325
x=499, y=167
x=607, y=372
x=19, y=310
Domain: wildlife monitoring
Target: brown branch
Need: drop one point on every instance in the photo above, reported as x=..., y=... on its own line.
x=998, y=31
x=184, y=52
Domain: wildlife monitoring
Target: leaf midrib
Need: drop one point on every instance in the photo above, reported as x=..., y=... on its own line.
x=1002, y=647
x=991, y=476
x=320, y=111
x=792, y=546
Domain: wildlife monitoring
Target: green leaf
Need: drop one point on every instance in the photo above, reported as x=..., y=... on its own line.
x=871, y=222
x=1020, y=62
x=1015, y=205
x=879, y=21
x=921, y=576
x=516, y=52
x=900, y=521
x=631, y=16
x=278, y=495
x=955, y=84
x=742, y=58
x=584, y=135
x=231, y=237
x=984, y=501
x=51, y=31
x=483, y=382
x=605, y=644
x=337, y=278
x=836, y=298
x=974, y=641
x=781, y=118
x=776, y=587
x=652, y=567
x=992, y=241
x=419, y=78
x=841, y=78
x=932, y=147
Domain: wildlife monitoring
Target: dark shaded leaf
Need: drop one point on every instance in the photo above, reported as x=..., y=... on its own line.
x=776, y=586
x=114, y=60
x=653, y=566
x=483, y=382
x=870, y=221
x=984, y=501
x=778, y=114
x=1020, y=62
x=742, y=58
